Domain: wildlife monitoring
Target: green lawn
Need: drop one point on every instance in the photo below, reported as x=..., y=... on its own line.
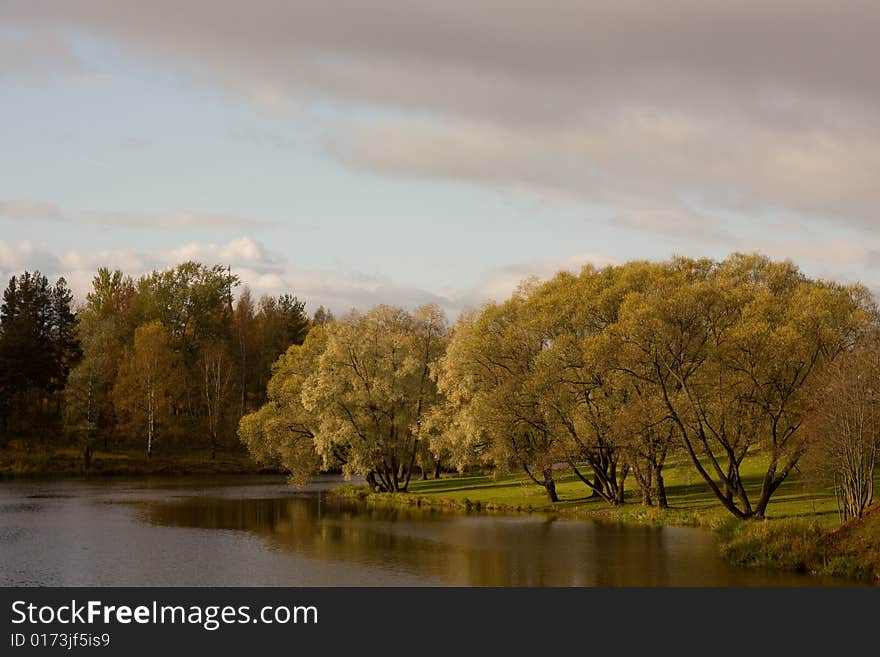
x=686, y=492
x=801, y=532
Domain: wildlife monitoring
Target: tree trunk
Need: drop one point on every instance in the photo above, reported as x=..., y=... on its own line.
x=550, y=485
x=150, y=429
x=660, y=487
x=437, y=469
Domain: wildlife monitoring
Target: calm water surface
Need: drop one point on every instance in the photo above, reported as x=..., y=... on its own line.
x=243, y=531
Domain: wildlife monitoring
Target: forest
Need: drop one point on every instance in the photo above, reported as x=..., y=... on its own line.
x=605, y=376
x=166, y=363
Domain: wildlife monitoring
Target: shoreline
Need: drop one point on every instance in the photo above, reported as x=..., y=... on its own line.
x=779, y=543
x=17, y=463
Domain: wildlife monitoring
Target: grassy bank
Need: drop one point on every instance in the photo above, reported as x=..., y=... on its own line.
x=18, y=461
x=801, y=531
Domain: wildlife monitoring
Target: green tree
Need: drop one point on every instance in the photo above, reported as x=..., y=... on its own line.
x=88, y=397
x=37, y=345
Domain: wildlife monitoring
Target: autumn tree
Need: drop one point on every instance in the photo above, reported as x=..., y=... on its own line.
x=487, y=374
x=217, y=373
x=372, y=390
x=89, y=414
x=844, y=428
x=729, y=348
x=148, y=381
x=279, y=323
x=322, y=316
x=244, y=336
x=282, y=432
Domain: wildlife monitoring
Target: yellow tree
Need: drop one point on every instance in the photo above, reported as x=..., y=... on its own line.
x=729, y=348
x=372, y=391
x=487, y=376
x=147, y=381
x=282, y=431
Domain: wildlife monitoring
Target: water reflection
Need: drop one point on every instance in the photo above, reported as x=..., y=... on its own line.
x=482, y=550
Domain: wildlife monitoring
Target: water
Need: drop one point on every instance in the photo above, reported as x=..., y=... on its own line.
x=257, y=531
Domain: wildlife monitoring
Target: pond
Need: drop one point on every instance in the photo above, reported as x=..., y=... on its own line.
x=258, y=531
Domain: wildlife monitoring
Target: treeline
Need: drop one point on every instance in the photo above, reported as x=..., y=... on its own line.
x=602, y=375
x=169, y=361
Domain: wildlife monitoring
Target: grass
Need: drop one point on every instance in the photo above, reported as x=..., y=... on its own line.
x=801, y=531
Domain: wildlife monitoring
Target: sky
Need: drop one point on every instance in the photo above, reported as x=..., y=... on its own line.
x=355, y=153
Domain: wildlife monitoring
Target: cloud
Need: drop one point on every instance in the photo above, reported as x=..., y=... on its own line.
x=175, y=220
x=266, y=272
x=29, y=210
x=673, y=116
x=499, y=283
x=34, y=210
x=641, y=163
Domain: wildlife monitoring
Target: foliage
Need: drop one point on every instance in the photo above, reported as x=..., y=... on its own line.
x=38, y=347
x=282, y=431
x=148, y=378
x=372, y=390
x=844, y=428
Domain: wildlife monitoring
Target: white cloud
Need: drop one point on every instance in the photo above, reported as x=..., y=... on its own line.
x=30, y=210
x=628, y=104
x=184, y=219
x=36, y=210
x=686, y=118
x=266, y=272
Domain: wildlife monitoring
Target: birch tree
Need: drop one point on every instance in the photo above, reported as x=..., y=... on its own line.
x=216, y=378
x=147, y=381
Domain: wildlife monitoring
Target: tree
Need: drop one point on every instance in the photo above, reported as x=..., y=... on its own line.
x=217, y=374
x=147, y=381
x=487, y=374
x=66, y=350
x=322, y=316
x=844, y=428
x=729, y=348
x=37, y=342
x=245, y=339
x=372, y=390
x=280, y=322
x=88, y=402
x=111, y=295
x=282, y=431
